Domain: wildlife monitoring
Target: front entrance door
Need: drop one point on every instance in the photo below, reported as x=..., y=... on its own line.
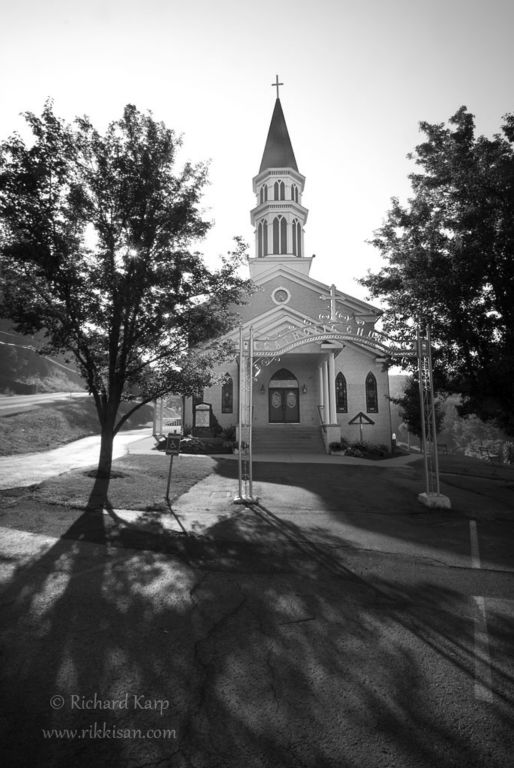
x=283, y=405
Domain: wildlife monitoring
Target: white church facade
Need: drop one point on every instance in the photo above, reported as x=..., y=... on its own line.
x=319, y=371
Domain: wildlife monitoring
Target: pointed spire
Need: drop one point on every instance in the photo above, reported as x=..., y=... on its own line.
x=278, y=152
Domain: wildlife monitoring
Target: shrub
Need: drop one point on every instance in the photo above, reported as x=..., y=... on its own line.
x=229, y=433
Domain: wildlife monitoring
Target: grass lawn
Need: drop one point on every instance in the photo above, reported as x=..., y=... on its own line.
x=140, y=486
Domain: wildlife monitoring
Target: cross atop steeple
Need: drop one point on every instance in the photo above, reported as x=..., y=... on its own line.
x=276, y=85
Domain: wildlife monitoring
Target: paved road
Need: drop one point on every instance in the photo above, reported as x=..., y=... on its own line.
x=10, y=404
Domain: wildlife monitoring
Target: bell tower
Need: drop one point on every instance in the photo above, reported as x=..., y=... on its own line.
x=279, y=216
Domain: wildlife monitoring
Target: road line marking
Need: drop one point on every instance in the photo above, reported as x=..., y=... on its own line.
x=483, y=677
x=475, y=554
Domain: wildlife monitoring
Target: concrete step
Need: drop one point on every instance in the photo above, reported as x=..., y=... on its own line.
x=293, y=438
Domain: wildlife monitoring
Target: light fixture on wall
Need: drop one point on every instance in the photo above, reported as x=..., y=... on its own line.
x=262, y=389
x=304, y=389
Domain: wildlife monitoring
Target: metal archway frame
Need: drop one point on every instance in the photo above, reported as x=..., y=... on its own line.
x=354, y=331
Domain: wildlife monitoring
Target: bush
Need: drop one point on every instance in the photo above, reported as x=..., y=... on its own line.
x=363, y=450
x=229, y=433
x=191, y=445
x=508, y=453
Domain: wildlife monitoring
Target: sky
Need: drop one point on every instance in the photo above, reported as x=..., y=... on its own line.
x=358, y=78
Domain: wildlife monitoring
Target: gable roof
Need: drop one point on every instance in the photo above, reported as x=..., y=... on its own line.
x=282, y=270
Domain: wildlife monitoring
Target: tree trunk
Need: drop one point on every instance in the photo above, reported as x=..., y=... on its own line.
x=106, y=445
x=98, y=497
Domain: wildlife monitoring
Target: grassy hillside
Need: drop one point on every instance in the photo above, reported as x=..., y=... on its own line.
x=56, y=424
x=23, y=371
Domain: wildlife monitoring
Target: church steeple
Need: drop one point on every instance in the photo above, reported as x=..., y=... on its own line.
x=279, y=216
x=278, y=152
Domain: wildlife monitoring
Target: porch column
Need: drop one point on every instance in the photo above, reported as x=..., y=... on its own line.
x=332, y=387
x=326, y=401
x=321, y=394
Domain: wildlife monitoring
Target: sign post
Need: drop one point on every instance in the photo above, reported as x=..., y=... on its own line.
x=361, y=419
x=172, y=449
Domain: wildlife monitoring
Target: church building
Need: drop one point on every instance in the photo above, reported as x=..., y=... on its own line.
x=319, y=371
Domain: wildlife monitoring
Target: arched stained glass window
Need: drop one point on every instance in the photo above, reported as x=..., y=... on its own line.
x=227, y=395
x=341, y=394
x=371, y=394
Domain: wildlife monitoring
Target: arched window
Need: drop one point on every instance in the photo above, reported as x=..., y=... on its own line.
x=371, y=394
x=262, y=239
x=294, y=193
x=279, y=190
x=341, y=394
x=285, y=377
x=279, y=235
x=283, y=236
x=264, y=194
x=276, y=235
x=297, y=238
x=227, y=395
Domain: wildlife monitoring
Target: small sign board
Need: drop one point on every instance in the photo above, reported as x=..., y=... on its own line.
x=203, y=415
x=173, y=445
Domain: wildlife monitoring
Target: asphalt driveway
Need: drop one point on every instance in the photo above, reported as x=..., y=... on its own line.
x=336, y=623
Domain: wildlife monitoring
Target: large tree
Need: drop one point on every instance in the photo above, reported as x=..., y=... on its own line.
x=449, y=255
x=96, y=251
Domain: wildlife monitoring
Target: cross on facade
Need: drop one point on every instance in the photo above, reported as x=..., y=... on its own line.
x=332, y=298
x=276, y=85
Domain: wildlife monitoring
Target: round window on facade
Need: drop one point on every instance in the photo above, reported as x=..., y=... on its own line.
x=280, y=295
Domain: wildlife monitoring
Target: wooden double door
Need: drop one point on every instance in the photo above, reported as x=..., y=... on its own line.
x=284, y=406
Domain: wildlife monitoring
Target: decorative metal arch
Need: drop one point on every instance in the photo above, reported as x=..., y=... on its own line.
x=340, y=328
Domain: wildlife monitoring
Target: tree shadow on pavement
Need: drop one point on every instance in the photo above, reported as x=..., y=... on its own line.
x=382, y=501
x=256, y=648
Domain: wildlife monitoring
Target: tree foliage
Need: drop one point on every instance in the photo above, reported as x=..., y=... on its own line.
x=449, y=262
x=409, y=403
x=97, y=233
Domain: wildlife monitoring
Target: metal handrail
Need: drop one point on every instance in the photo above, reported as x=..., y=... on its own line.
x=321, y=409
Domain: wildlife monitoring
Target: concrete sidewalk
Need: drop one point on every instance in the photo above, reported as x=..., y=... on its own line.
x=31, y=468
